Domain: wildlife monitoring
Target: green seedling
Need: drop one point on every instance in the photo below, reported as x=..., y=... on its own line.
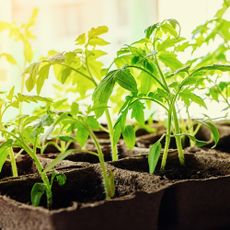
x=155, y=57
x=26, y=132
x=79, y=67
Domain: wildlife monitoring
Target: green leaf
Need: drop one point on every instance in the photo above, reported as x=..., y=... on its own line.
x=42, y=76
x=37, y=192
x=138, y=112
x=214, y=131
x=9, y=58
x=170, y=60
x=31, y=81
x=61, y=178
x=125, y=79
x=82, y=135
x=150, y=30
x=74, y=108
x=10, y=94
x=34, y=98
x=28, y=52
x=81, y=39
x=92, y=123
x=215, y=67
x=129, y=136
x=98, y=41
x=94, y=32
x=102, y=93
x=153, y=156
x=170, y=26
x=4, y=152
x=65, y=138
x=65, y=74
x=187, y=95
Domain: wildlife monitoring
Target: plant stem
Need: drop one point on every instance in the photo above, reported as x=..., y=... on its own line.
x=108, y=117
x=110, y=128
x=190, y=128
x=167, y=140
x=43, y=175
x=13, y=163
x=178, y=137
x=102, y=165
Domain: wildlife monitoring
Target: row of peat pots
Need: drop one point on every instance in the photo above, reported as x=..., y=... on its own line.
x=196, y=196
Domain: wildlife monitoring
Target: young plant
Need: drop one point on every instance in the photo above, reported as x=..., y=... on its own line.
x=25, y=132
x=80, y=68
x=154, y=57
x=80, y=127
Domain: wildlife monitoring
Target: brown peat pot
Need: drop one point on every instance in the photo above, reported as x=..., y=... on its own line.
x=198, y=197
x=80, y=203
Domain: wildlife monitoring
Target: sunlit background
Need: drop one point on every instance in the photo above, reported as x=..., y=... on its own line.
x=60, y=21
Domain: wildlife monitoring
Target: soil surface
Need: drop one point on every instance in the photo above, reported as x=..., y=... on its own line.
x=199, y=164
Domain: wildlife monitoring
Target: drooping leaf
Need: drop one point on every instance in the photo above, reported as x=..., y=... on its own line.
x=31, y=80
x=214, y=131
x=150, y=30
x=82, y=135
x=153, y=156
x=188, y=96
x=129, y=136
x=102, y=92
x=138, y=112
x=37, y=192
x=42, y=76
x=125, y=79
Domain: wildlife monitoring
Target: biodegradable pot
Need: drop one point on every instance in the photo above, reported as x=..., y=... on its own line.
x=80, y=203
x=203, y=199
x=199, y=192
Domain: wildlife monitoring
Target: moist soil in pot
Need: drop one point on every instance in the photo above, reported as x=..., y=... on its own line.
x=199, y=193
x=80, y=203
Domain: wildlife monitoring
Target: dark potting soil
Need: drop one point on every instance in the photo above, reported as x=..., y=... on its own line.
x=82, y=186
x=24, y=165
x=198, y=165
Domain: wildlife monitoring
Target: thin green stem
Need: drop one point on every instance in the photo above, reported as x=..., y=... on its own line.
x=102, y=165
x=167, y=140
x=162, y=75
x=178, y=137
x=13, y=163
x=113, y=144
x=108, y=118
